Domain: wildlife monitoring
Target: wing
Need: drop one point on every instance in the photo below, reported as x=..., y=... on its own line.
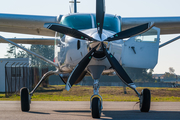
x=168, y=25
x=27, y=24
x=37, y=41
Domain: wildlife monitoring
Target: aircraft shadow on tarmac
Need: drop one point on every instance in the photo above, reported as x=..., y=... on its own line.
x=130, y=114
x=37, y=112
x=51, y=90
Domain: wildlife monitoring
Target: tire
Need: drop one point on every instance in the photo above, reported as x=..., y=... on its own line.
x=96, y=107
x=25, y=101
x=145, y=100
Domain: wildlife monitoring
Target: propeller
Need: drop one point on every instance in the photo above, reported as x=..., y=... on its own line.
x=77, y=34
x=118, y=68
x=79, y=68
x=68, y=31
x=131, y=32
x=100, y=11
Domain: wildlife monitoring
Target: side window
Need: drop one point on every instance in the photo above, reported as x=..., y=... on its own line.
x=149, y=36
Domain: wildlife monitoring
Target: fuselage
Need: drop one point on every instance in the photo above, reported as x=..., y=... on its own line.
x=139, y=51
x=69, y=51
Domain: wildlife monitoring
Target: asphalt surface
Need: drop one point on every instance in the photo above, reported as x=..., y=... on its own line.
x=77, y=110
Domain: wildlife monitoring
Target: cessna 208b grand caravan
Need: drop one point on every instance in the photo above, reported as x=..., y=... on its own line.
x=92, y=44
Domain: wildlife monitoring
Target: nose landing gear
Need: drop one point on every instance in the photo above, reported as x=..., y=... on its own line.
x=96, y=107
x=96, y=101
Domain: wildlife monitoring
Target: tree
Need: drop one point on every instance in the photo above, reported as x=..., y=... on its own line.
x=12, y=52
x=46, y=51
x=168, y=75
x=171, y=70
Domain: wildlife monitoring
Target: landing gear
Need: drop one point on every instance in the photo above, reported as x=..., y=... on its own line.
x=145, y=100
x=96, y=101
x=25, y=99
x=96, y=107
x=26, y=96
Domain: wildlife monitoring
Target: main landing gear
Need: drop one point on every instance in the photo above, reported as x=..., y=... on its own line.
x=26, y=96
x=25, y=99
x=145, y=100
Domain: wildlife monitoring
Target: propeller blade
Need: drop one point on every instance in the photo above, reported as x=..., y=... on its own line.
x=100, y=11
x=118, y=68
x=68, y=31
x=79, y=69
x=131, y=32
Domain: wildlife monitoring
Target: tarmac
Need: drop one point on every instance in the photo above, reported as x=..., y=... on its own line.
x=80, y=110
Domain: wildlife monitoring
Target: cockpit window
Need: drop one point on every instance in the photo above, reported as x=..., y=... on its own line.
x=84, y=21
x=79, y=21
x=110, y=23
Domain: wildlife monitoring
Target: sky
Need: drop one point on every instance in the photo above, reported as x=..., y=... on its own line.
x=168, y=56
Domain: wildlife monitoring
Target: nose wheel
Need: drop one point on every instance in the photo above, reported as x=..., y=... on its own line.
x=145, y=100
x=96, y=101
x=96, y=107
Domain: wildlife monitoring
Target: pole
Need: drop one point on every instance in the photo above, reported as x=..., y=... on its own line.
x=75, y=6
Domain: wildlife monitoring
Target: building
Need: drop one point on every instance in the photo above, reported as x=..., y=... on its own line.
x=10, y=71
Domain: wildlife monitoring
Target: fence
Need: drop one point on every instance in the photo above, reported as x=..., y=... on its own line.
x=18, y=75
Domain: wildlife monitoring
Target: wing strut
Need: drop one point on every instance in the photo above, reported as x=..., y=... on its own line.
x=168, y=42
x=39, y=56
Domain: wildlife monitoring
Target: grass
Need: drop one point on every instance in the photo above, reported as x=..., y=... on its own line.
x=83, y=93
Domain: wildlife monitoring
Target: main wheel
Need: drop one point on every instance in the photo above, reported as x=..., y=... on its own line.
x=145, y=100
x=96, y=107
x=25, y=100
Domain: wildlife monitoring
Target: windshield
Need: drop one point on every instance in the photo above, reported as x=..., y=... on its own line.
x=78, y=21
x=84, y=21
x=110, y=23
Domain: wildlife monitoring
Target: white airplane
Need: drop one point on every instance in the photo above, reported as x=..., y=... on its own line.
x=93, y=44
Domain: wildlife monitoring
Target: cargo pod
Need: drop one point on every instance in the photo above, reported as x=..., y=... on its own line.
x=141, y=51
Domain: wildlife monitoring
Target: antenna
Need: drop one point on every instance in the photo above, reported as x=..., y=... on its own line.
x=73, y=6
